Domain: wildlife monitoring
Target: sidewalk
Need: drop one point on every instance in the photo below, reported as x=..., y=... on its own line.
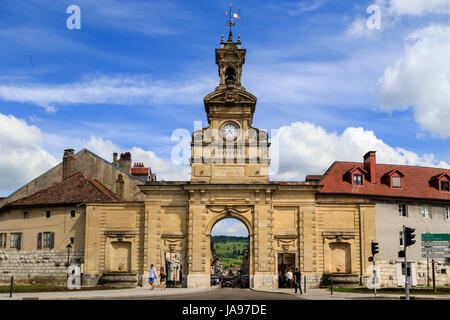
x=325, y=294
x=100, y=294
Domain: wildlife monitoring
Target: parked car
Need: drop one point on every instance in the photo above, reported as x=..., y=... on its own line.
x=244, y=280
x=228, y=282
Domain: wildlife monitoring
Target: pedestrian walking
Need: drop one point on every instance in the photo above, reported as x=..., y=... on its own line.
x=290, y=278
x=162, y=278
x=298, y=281
x=152, y=276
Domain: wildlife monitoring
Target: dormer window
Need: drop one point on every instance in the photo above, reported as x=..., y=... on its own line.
x=394, y=179
x=357, y=179
x=355, y=176
x=441, y=182
x=396, y=182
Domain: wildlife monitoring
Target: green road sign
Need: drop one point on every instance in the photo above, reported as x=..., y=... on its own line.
x=435, y=244
x=435, y=237
x=443, y=255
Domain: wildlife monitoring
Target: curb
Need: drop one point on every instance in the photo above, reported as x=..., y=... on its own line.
x=286, y=293
x=117, y=295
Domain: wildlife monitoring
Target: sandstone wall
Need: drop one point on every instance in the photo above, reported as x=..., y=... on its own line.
x=47, y=267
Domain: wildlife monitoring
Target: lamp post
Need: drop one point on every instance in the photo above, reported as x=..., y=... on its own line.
x=68, y=248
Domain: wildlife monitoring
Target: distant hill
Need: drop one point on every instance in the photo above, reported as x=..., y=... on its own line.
x=229, y=249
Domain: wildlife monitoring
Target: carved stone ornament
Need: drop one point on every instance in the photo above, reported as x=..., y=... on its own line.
x=285, y=242
x=120, y=235
x=339, y=236
x=229, y=210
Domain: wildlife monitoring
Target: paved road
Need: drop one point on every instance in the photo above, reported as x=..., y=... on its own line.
x=220, y=294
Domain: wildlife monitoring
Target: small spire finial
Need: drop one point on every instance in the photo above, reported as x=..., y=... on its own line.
x=230, y=23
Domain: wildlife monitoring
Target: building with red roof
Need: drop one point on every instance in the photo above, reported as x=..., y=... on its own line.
x=414, y=196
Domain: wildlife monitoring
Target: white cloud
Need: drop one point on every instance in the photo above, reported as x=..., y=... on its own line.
x=230, y=227
x=417, y=7
x=164, y=169
x=21, y=157
x=102, y=89
x=305, y=148
x=358, y=30
x=298, y=8
x=421, y=80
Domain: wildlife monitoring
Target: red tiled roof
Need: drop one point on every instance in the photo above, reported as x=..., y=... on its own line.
x=292, y=183
x=313, y=177
x=139, y=171
x=77, y=188
x=416, y=181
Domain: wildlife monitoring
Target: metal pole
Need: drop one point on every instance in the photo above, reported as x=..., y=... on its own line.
x=406, y=266
x=305, y=283
x=434, y=276
x=374, y=277
x=331, y=285
x=11, y=288
x=428, y=271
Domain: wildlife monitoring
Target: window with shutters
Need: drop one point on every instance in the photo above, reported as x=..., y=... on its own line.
x=357, y=179
x=426, y=211
x=39, y=240
x=16, y=240
x=3, y=240
x=403, y=210
x=396, y=182
x=445, y=186
x=49, y=240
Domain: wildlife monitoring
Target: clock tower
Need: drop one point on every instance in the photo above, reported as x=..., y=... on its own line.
x=230, y=150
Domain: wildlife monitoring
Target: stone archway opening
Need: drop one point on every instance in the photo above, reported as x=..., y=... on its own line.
x=230, y=254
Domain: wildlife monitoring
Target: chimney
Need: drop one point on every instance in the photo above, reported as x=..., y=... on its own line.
x=125, y=161
x=115, y=159
x=370, y=165
x=68, y=163
x=119, y=187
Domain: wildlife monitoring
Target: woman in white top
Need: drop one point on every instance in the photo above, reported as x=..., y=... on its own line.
x=290, y=277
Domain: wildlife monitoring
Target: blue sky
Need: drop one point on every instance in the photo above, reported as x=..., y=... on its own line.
x=138, y=70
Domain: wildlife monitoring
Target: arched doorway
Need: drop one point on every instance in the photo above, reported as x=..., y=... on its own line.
x=230, y=253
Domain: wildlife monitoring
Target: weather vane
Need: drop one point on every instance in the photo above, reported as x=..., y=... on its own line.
x=231, y=23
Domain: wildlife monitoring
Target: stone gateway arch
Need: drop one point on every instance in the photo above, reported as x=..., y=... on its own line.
x=290, y=224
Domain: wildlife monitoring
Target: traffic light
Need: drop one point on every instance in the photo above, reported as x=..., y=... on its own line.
x=401, y=254
x=370, y=259
x=408, y=272
x=375, y=248
x=409, y=236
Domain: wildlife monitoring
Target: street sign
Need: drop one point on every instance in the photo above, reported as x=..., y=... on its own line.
x=434, y=244
x=435, y=237
x=443, y=249
x=443, y=255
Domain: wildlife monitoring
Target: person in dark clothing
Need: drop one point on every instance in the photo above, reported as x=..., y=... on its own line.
x=162, y=278
x=298, y=280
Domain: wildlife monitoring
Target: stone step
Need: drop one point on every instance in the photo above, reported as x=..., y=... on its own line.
x=119, y=279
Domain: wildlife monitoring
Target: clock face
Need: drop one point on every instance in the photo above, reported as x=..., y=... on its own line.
x=230, y=130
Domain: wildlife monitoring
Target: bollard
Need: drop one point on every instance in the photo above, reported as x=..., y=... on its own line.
x=304, y=284
x=331, y=285
x=11, y=288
